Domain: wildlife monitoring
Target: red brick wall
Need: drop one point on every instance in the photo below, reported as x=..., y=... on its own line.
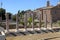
x=47, y=11
x=55, y=14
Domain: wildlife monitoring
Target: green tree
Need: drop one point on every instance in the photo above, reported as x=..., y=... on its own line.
x=30, y=20
x=9, y=15
x=20, y=13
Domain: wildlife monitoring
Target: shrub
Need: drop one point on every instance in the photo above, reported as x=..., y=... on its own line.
x=21, y=23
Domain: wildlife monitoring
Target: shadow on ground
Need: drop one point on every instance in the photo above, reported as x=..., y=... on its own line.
x=32, y=32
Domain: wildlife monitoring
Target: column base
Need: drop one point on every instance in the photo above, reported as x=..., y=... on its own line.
x=7, y=31
x=17, y=31
x=25, y=29
x=39, y=28
x=32, y=29
x=44, y=28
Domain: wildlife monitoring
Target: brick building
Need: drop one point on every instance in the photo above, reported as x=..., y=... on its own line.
x=52, y=12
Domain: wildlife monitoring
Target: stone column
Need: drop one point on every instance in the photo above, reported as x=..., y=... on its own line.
x=51, y=22
x=0, y=20
x=17, y=23
x=7, y=22
x=25, y=21
x=39, y=21
x=32, y=21
x=45, y=20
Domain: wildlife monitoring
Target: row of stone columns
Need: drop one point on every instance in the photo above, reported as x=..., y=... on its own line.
x=46, y=21
x=7, y=22
x=25, y=22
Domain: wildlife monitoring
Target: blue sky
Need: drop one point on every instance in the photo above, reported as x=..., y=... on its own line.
x=14, y=5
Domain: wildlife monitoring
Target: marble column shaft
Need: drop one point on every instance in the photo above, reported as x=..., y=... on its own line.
x=45, y=20
x=39, y=20
x=25, y=21
x=51, y=22
x=33, y=21
x=17, y=23
x=7, y=22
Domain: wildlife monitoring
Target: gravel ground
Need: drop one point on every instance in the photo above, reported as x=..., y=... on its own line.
x=42, y=36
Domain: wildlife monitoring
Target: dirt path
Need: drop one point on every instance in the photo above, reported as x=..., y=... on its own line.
x=49, y=36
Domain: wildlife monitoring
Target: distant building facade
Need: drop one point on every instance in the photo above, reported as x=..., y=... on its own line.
x=52, y=12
